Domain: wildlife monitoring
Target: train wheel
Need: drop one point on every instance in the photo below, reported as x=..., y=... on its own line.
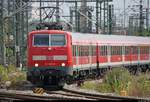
x=70, y=80
x=138, y=71
x=80, y=83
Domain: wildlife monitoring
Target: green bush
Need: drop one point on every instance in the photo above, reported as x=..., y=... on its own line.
x=89, y=85
x=101, y=87
x=104, y=87
x=118, y=79
x=3, y=74
x=115, y=80
x=141, y=85
x=12, y=75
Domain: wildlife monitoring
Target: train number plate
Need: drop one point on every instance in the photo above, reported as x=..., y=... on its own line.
x=49, y=58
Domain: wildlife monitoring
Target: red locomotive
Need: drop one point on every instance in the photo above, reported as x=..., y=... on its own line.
x=56, y=56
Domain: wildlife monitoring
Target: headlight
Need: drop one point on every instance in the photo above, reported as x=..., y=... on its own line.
x=36, y=65
x=63, y=64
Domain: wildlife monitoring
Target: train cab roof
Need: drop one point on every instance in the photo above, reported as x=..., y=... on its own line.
x=47, y=32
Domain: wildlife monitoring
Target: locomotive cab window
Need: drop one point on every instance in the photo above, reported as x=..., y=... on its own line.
x=58, y=40
x=49, y=40
x=41, y=40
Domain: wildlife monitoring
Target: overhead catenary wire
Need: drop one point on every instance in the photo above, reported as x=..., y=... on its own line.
x=22, y=8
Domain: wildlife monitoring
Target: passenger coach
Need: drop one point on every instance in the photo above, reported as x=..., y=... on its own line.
x=55, y=56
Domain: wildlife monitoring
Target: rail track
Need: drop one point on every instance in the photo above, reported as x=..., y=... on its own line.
x=104, y=96
x=13, y=95
x=66, y=93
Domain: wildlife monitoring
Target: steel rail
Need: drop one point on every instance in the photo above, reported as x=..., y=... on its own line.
x=69, y=1
x=100, y=96
x=25, y=97
x=74, y=94
x=67, y=93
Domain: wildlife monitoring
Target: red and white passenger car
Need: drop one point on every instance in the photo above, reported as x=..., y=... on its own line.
x=54, y=55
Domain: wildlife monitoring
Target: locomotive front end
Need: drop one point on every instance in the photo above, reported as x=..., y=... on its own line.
x=49, y=57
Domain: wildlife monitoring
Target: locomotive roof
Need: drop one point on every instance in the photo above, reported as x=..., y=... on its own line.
x=110, y=39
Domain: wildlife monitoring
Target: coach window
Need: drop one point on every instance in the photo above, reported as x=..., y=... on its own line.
x=127, y=50
x=113, y=50
x=120, y=50
x=147, y=50
x=81, y=51
x=77, y=50
x=116, y=50
x=141, y=50
x=87, y=50
x=134, y=50
x=92, y=53
x=144, y=50
x=103, y=50
x=93, y=50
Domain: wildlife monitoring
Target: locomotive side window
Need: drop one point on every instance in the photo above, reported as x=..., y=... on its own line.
x=41, y=40
x=58, y=40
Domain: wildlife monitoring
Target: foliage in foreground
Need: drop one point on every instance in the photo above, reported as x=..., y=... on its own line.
x=140, y=85
x=120, y=79
x=11, y=76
